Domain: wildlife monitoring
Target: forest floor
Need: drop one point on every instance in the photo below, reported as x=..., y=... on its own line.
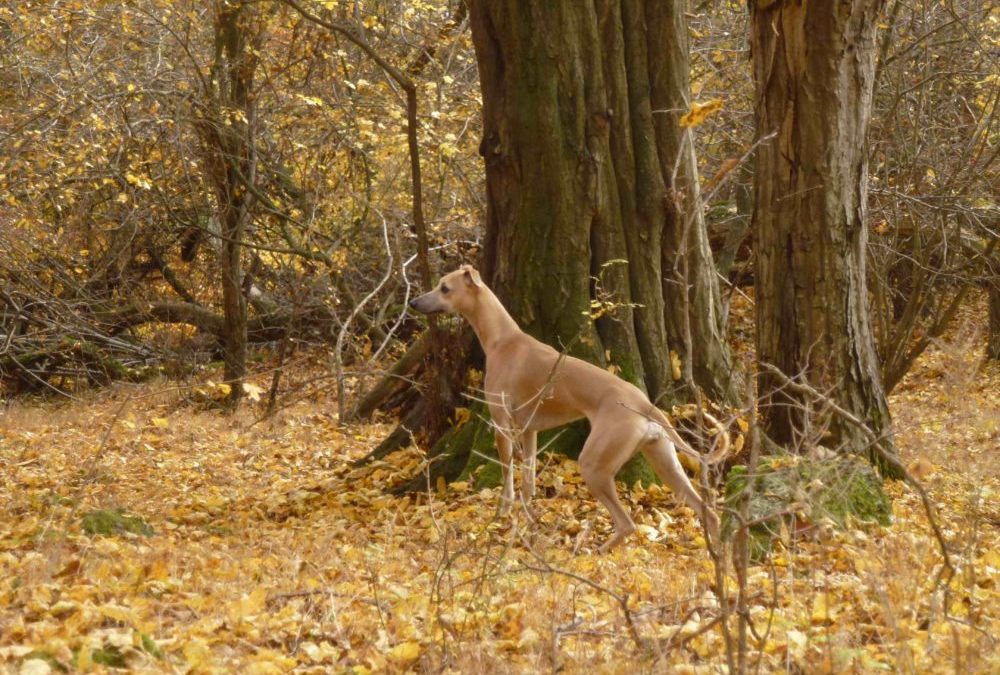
x=257, y=547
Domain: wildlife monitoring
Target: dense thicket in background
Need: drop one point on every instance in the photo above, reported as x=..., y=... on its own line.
x=156, y=154
x=144, y=142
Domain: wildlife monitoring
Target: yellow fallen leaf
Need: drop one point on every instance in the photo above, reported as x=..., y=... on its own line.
x=405, y=652
x=197, y=654
x=253, y=603
x=252, y=391
x=269, y=662
x=248, y=605
x=116, y=612
x=648, y=532
x=510, y=621
x=991, y=558
x=263, y=668
x=821, y=612
x=529, y=637
x=37, y=666
x=160, y=422
x=920, y=468
x=797, y=641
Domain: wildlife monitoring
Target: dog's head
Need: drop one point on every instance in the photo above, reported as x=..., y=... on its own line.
x=456, y=293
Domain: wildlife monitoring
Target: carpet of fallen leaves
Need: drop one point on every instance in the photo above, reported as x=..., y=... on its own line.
x=271, y=553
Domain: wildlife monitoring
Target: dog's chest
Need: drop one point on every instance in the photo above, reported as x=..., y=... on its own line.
x=528, y=394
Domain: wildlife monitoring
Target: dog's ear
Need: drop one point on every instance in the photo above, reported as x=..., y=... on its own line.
x=471, y=275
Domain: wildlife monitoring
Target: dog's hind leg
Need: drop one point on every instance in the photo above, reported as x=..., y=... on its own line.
x=604, y=453
x=662, y=455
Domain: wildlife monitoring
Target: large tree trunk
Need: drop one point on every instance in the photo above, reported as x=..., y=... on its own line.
x=581, y=144
x=587, y=168
x=814, y=67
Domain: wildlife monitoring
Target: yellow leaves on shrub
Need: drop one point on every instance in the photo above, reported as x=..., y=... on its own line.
x=139, y=181
x=699, y=112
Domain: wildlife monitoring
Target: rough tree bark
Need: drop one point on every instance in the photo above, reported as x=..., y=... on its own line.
x=814, y=68
x=586, y=168
x=586, y=164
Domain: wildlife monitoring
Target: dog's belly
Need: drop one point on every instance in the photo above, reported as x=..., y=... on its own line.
x=547, y=417
x=529, y=413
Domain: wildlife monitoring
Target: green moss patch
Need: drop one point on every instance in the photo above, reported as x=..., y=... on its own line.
x=108, y=523
x=109, y=656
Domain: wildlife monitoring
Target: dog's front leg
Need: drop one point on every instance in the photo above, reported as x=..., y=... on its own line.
x=506, y=453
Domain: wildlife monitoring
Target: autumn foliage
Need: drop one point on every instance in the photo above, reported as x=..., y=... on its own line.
x=166, y=166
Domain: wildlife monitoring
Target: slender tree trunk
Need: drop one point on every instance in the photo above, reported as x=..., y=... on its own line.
x=230, y=131
x=993, y=336
x=814, y=67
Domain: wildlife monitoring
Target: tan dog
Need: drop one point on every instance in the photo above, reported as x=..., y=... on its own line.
x=530, y=387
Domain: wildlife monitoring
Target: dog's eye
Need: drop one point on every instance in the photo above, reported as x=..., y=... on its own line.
x=444, y=289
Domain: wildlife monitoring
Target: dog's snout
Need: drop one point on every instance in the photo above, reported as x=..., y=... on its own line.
x=419, y=304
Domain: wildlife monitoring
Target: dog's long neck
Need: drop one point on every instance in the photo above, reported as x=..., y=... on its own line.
x=491, y=321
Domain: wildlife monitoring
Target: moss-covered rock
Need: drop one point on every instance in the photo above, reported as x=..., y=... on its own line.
x=804, y=491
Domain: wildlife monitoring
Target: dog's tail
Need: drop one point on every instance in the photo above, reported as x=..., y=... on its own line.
x=721, y=447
